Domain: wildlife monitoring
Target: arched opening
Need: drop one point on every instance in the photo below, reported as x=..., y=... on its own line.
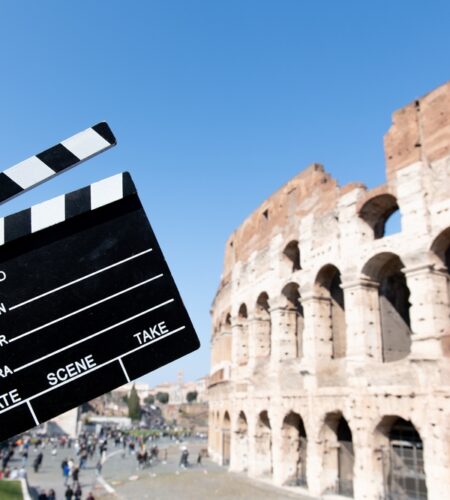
x=294, y=321
x=226, y=339
x=338, y=455
x=263, y=327
x=226, y=441
x=328, y=286
x=441, y=248
x=393, y=292
x=291, y=255
x=402, y=459
x=263, y=445
x=294, y=450
x=242, y=331
x=242, y=443
x=382, y=214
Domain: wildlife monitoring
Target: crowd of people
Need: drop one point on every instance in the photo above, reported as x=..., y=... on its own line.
x=88, y=450
x=19, y=451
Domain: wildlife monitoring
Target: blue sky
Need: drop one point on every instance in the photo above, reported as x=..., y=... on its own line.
x=215, y=105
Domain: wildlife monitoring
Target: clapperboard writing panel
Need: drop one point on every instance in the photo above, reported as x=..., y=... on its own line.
x=87, y=303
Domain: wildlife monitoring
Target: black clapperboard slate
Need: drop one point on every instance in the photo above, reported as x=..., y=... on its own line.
x=87, y=301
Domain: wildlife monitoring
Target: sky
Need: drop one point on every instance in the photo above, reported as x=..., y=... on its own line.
x=214, y=104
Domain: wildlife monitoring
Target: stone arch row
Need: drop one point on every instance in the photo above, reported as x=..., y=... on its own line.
x=384, y=283
x=324, y=278
x=291, y=458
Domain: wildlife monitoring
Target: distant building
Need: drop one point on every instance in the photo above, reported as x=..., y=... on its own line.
x=178, y=393
x=177, y=390
x=331, y=341
x=143, y=390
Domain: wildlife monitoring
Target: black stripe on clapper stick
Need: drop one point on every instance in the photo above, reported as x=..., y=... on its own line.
x=43, y=166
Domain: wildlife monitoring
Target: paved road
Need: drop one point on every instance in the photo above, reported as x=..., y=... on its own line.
x=50, y=473
x=122, y=479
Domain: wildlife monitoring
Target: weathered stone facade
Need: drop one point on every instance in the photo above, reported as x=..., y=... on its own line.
x=331, y=340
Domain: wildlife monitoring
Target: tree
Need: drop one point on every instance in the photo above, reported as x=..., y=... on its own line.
x=134, y=408
x=191, y=396
x=162, y=397
x=149, y=400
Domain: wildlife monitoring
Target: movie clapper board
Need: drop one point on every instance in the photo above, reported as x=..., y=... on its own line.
x=87, y=301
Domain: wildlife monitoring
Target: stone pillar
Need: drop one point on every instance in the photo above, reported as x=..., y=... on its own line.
x=412, y=197
x=429, y=311
x=317, y=345
x=239, y=333
x=259, y=339
x=362, y=309
x=367, y=475
x=234, y=447
x=252, y=466
x=277, y=453
x=236, y=334
x=314, y=467
x=284, y=333
x=436, y=448
x=210, y=431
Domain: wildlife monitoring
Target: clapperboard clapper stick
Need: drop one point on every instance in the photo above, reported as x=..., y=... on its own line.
x=67, y=154
x=87, y=302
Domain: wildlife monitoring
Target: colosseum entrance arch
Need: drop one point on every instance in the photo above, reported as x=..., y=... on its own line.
x=338, y=456
x=402, y=459
x=263, y=446
x=386, y=269
x=294, y=450
x=241, y=451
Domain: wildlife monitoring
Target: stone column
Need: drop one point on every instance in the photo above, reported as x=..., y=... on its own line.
x=317, y=345
x=234, y=447
x=236, y=334
x=429, y=311
x=436, y=449
x=277, y=454
x=284, y=329
x=252, y=466
x=367, y=481
x=210, y=431
x=314, y=466
x=259, y=339
x=363, y=323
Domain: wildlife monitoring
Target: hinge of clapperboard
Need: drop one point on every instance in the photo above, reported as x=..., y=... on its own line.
x=59, y=158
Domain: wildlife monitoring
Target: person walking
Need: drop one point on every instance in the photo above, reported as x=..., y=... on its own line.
x=42, y=495
x=75, y=474
x=78, y=493
x=90, y=496
x=69, y=493
x=38, y=461
x=184, y=457
x=51, y=495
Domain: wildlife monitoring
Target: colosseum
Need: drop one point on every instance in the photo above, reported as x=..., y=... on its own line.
x=331, y=341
